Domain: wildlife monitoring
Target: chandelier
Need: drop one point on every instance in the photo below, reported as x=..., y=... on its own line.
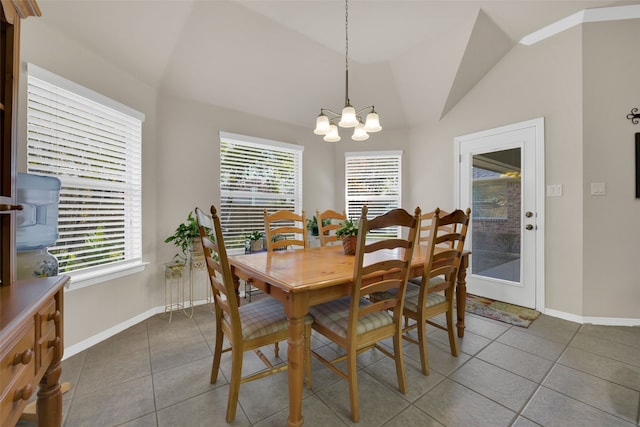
x=350, y=118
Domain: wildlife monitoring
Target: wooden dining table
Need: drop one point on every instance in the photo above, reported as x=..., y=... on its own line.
x=302, y=278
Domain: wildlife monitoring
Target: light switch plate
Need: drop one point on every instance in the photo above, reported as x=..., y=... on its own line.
x=554, y=190
x=598, y=189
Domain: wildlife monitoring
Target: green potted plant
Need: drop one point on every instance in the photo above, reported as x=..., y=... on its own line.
x=348, y=233
x=186, y=238
x=256, y=239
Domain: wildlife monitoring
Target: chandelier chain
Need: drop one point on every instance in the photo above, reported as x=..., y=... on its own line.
x=350, y=117
x=346, y=34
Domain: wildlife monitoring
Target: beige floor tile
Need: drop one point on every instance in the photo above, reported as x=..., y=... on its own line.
x=157, y=373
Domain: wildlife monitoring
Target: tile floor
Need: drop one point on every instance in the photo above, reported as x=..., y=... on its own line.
x=555, y=373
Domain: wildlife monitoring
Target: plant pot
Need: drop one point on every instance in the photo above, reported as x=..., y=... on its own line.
x=349, y=245
x=196, y=245
x=256, y=245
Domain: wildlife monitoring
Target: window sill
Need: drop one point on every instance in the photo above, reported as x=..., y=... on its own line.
x=81, y=280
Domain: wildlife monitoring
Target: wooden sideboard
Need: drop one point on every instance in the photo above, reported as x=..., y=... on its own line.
x=31, y=311
x=31, y=348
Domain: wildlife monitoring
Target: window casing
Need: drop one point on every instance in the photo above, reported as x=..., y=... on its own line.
x=256, y=174
x=94, y=146
x=373, y=179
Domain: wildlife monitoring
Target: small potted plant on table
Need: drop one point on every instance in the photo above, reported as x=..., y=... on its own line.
x=348, y=232
x=256, y=240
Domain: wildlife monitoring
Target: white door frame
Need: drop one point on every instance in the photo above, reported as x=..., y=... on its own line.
x=538, y=125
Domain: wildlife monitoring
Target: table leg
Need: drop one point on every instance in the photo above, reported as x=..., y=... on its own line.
x=461, y=293
x=295, y=357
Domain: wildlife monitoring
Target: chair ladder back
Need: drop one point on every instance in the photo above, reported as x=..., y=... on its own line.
x=284, y=223
x=397, y=268
x=326, y=233
x=445, y=261
x=217, y=263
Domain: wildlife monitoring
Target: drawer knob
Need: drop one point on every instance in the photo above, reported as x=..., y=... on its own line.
x=54, y=342
x=54, y=316
x=23, y=393
x=23, y=358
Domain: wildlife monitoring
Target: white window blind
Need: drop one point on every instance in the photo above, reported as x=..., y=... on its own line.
x=373, y=179
x=95, y=150
x=255, y=174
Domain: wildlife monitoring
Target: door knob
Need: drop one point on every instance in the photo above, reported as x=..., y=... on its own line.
x=529, y=227
x=528, y=214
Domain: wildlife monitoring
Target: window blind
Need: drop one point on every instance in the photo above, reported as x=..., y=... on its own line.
x=256, y=174
x=95, y=151
x=373, y=179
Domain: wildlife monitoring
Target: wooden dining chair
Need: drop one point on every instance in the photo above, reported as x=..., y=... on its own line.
x=435, y=292
x=247, y=327
x=425, y=235
x=327, y=232
x=285, y=228
x=357, y=324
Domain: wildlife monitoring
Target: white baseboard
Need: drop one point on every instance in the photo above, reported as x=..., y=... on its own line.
x=605, y=321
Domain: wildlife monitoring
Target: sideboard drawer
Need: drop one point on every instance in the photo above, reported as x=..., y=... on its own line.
x=20, y=355
x=18, y=376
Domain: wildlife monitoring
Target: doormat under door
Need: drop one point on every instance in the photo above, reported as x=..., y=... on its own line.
x=507, y=313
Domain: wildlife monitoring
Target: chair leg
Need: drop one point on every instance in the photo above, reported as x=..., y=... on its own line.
x=276, y=349
x=450, y=330
x=422, y=343
x=352, y=375
x=217, y=353
x=307, y=355
x=399, y=359
x=234, y=383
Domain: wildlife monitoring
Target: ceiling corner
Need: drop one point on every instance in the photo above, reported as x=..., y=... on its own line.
x=486, y=45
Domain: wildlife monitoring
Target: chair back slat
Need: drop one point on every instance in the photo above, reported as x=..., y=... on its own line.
x=326, y=232
x=289, y=225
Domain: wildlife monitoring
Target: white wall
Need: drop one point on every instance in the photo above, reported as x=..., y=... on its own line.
x=591, y=267
x=611, y=223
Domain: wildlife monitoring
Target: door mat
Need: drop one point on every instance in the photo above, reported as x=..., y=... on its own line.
x=507, y=313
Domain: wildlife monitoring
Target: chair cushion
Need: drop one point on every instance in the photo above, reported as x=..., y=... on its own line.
x=264, y=317
x=334, y=316
x=412, y=294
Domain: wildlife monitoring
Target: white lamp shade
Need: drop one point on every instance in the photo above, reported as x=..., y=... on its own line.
x=348, y=118
x=359, y=134
x=322, y=125
x=332, y=135
x=373, y=123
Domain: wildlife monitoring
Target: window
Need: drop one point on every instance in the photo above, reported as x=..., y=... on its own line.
x=93, y=145
x=255, y=174
x=373, y=179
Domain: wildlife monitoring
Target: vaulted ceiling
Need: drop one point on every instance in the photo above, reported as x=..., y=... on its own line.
x=414, y=60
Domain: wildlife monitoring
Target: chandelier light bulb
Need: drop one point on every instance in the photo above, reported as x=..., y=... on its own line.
x=322, y=125
x=332, y=135
x=373, y=123
x=348, y=118
x=359, y=134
